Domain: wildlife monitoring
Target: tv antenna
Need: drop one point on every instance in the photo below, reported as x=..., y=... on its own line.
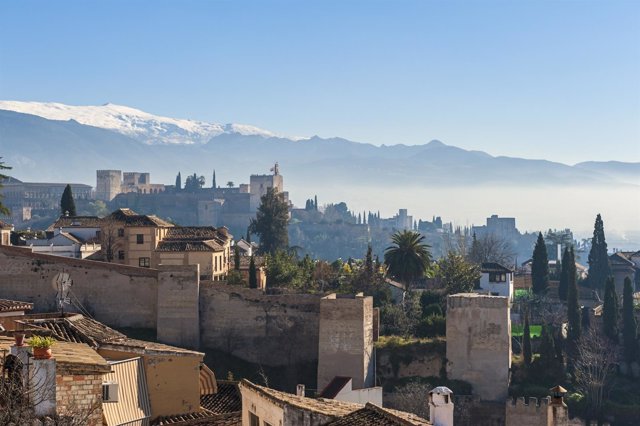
x=62, y=283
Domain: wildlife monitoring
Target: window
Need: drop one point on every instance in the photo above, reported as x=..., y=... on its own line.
x=497, y=277
x=254, y=420
x=120, y=254
x=140, y=238
x=120, y=232
x=144, y=262
x=110, y=392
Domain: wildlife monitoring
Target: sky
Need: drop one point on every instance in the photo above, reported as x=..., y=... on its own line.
x=535, y=79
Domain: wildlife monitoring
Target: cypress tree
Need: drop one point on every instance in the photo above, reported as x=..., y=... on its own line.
x=236, y=257
x=213, y=184
x=368, y=263
x=573, y=307
x=599, y=268
x=629, y=331
x=610, y=310
x=67, y=205
x=526, y=341
x=547, y=348
x=564, y=276
x=178, y=182
x=253, y=279
x=315, y=202
x=248, y=234
x=540, y=267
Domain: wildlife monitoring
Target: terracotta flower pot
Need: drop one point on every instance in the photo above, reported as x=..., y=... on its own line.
x=19, y=337
x=42, y=353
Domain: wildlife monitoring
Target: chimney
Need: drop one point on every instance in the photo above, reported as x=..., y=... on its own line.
x=441, y=406
x=558, y=409
x=300, y=390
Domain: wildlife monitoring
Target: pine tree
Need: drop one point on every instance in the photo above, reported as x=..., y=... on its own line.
x=599, y=268
x=573, y=307
x=540, y=267
x=630, y=326
x=253, y=279
x=564, y=275
x=610, y=310
x=213, y=184
x=67, y=205
x=526, y=341
x=236, y=257
x=547, y=348
x=178, y=182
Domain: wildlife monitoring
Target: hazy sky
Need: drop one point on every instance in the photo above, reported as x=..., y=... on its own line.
x=537, y=79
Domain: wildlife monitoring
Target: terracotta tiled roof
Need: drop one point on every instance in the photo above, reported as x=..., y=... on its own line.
x=334, y=387
x=329, y=407
x=494, y=267
x=131, y=218
x=78, y=328
x=188, y=246
x=76, y=222
x=372, y=415
x=7, y=305
x=200, y=419
x=226, y=400
x=197, y=233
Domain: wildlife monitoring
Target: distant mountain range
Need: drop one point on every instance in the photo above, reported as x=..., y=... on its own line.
x=56, y=142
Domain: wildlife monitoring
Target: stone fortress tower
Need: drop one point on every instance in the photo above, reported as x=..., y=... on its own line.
x=108, y=184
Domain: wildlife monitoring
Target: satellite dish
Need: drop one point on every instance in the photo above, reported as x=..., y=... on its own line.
x=61, y=283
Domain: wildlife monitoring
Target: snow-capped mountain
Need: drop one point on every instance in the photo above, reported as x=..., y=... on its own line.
x=147, y=128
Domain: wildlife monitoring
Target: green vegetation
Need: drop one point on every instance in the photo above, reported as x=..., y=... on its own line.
x=67, y=205
x=599, y=268
x=540, y=267
x=630, y=326
x=573, y=305
x=41, y=342
x=610, y=311
x=456, y=274
x=518, y=330
x=3, y=209
x=271, y=221
x=526, y=341
x=408, y=258
x=253, y=280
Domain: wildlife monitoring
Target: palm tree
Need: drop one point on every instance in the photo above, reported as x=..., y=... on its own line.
x=408, y=258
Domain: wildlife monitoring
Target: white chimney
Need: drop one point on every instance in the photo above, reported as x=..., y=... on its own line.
x=441, y=406
x=300, y=390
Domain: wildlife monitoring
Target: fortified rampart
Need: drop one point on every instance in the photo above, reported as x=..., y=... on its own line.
x=479, y=343
x=272, y=330
x=532, y=413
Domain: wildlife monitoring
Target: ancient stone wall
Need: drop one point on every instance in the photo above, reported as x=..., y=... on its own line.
x=270, y=330
x=178, y=306
x=417, y=360
x=118, y=295
x=479, y=343
x=527, y=413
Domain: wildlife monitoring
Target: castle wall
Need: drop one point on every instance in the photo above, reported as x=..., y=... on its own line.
x=346, y=340
x=118, y=295
x=521, y=413
x=271, y=330
x=178, y=305
x=479, y=343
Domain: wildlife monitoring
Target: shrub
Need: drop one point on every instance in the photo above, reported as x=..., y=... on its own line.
x=433, y=309
x=434, y=325
x=44, y=342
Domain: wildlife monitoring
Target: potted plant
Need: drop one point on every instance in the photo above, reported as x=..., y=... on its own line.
x=19, y=337
x=41, y=346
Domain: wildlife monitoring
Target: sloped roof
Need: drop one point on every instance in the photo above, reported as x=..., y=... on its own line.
x=200, y=419
x=188, y=246
x=334, y=387
x=329, y=407
x=622, y=257
x=5, y=225
x=494, y=267
x=133, y=396
x=7, y=305
x=78, y=328
x=131, y=218
x=76, y=222
x=372, y=415
x=197, y=233
x=226, y=400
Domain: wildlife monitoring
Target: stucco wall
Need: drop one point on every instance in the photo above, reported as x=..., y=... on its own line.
x=178, y=305
x=479, y=343
x=267, y=329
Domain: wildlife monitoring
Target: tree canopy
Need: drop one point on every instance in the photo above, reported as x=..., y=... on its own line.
x=67, y=204
x=540, y=267
x=599, y=268
x=271, y=222
x=408, y=258
x=3, y=209
x=573, y=306
x=610, y=310
x=456, y=274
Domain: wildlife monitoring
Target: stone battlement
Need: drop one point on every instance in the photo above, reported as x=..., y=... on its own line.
x=521, y=403
x=470, y=300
